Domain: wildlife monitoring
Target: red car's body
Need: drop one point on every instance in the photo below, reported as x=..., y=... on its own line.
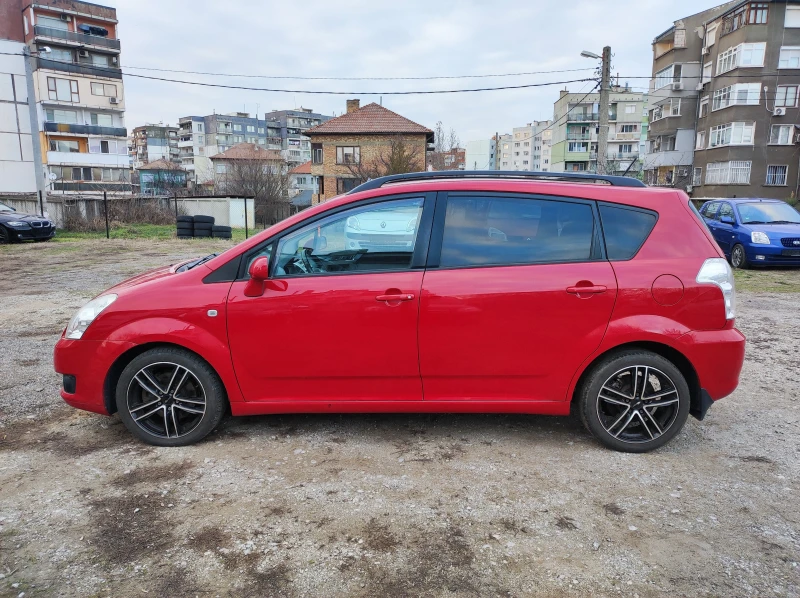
x=501, y=338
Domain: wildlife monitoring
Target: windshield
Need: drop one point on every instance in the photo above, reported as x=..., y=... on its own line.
x=768, y=213
x=5, y=208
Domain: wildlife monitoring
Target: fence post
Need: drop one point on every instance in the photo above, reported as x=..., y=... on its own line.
x=105, y=209
x=245, y=217
x=176, y=209
x=41, y=204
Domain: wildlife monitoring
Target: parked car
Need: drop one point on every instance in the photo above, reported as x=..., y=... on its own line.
x=520, y=293
x=15, y=226
x=755, y=232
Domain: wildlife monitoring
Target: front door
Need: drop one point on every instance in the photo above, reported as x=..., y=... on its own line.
x=338, y=317
x=723, y=231
x=520, y=298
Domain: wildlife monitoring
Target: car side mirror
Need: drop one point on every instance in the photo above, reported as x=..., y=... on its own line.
x=259, y=273
x=727, y=220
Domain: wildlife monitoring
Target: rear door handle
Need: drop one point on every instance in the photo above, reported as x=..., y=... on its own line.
x=398, y=297
x=588, y=290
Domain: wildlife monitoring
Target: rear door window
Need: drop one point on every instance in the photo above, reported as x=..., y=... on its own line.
x=711, y=210
x=625, y=230
x=489, y=231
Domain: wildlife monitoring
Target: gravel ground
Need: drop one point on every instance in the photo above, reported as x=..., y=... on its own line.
x=383, y=505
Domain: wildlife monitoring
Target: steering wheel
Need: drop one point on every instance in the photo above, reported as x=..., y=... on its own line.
x=308, y=261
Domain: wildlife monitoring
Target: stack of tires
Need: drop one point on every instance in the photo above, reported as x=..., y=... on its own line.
x=221, y=232
x=203, y=226
x=185, y=226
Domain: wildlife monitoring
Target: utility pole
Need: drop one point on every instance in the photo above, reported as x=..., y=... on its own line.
x=605, y=89
x=38, y=165
x=496, y=150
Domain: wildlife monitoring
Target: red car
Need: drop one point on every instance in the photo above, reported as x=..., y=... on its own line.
x=429, y=292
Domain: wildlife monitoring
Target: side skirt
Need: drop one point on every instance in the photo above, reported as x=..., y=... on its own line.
x=530, y=407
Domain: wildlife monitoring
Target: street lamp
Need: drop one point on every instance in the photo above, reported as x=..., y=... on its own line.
x=587, y=54
x=605, y=77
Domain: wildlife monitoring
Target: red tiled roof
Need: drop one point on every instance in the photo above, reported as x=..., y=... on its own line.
x=161, y=164
x=302, y=169
x=370, y=119
x=248, y=151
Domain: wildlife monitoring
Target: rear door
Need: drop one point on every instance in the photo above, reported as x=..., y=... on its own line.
x=516, y=295
x=724, y=230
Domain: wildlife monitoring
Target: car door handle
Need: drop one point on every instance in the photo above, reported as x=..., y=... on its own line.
x=397, y=297
x=587, y=290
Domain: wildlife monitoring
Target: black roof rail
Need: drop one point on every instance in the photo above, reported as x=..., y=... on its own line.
x=570, y=177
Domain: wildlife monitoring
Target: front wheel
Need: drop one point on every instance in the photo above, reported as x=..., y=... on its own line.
x=5, y=236
x=739, y=257
x=170, y=397
x=634, y=401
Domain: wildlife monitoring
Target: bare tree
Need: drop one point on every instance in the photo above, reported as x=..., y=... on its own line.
x=399, y=157
x=266, y=180
x=444, y=145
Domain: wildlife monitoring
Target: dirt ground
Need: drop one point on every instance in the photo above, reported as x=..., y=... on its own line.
x=383, y=505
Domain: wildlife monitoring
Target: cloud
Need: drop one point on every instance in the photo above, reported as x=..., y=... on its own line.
x=360, y=38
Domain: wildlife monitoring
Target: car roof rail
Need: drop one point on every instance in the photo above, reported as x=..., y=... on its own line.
x=568, y=177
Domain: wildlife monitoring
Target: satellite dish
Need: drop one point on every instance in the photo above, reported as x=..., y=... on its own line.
x=53, y=176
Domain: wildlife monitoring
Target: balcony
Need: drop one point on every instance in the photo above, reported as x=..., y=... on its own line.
x=625, y=136
x=583, y=117
x=51, y=127
x=578, y=136
x=84, y=159
x=79, y=69
x=82, y=39
x=623, y=156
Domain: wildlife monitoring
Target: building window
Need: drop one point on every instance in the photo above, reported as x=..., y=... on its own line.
x=316, y=153
x=251, y=128
x=525, y=153
x=758, y=13
x=735, y=20
x=739, y=94
x=59, y=145
x=219, y=168
x=238, y=138
x=201, y=140
x=671, y=74
x=198, y=127
x=252, y=139
x=697, y=179
x=52, y=23
x=62, y=116
x=63, y=90
x=516, y=144
x=776, y=174
x=700, y=142
x=104, y=89
x=348, y=155
x=792, y=16
x=107, y=146
x=237, y=127
x=789, y=57
x=82, y=174
x=578, y=146
x=527, y=143
x=786, y=96
x=630, y=109
x=345, y=185
x=781, y=135
x=260, y=130
x=628, y=129
x=102, y=120
x=707, y=72
x=738, y=133
x=728, y=173
x=743, y=55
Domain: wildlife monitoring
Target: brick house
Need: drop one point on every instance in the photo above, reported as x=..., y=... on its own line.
x=360, y=136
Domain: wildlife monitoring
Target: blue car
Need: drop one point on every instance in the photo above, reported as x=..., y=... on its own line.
x=755, y=232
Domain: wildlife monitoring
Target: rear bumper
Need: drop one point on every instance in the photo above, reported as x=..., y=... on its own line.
x=717, y=357
x=89, y=362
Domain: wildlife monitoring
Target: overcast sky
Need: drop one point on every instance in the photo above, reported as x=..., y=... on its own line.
x=372, y=38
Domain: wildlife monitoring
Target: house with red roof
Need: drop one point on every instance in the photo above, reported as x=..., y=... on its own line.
x=363, y=136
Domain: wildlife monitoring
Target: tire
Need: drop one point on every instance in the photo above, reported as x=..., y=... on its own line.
x=184, y=236
x=203, y=226
x=204, y=219
x=202, y=233
x=5, y=236
x=739, y=257
x=220, y=229
x=198, y=410
x=188, y=219
x=184, y=225
x=222, y=235
x=621, y=419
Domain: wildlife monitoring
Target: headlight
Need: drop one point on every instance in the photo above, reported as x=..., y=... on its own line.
x=87, y=314
x=16, y=223
x=717, y=271
x=353, y=223
x=759, y=238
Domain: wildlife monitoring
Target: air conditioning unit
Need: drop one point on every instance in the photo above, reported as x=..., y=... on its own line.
x=779, y=112
x=700, y=86
x=677, y=86
x=83, y=53
x=113, y=100
x=114, y=60
x=65, y=17
x=705, y=51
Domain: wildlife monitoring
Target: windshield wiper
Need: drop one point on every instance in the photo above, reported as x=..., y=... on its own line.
x=202, y=260
x=755, y=222
x=783, y=222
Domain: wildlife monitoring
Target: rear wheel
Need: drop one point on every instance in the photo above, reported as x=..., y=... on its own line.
x=739, y=257
x=634, y=401
x=170, y=397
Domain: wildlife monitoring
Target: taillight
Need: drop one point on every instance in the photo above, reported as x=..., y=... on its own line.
x=716, y=271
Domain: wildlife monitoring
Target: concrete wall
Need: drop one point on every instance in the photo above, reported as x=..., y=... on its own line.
x=17, y=173
x=480, y=154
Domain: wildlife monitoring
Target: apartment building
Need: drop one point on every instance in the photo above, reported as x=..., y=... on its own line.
x=17, y=168
x=527, y=148
x=150, y=143
x=503, y=155
x=295, y=145
x=747, y=142
x=673, y=100
x=577, y=124
x=347, y=147
x=479, y=154
x=80, y=97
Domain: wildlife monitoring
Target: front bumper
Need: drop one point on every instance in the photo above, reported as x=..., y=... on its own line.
x=31, y=234
x=717, y=357
x=772, y=255
x=89, y=363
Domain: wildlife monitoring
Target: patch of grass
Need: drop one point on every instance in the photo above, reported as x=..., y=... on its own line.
x=768, y=280
x=142, y=231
